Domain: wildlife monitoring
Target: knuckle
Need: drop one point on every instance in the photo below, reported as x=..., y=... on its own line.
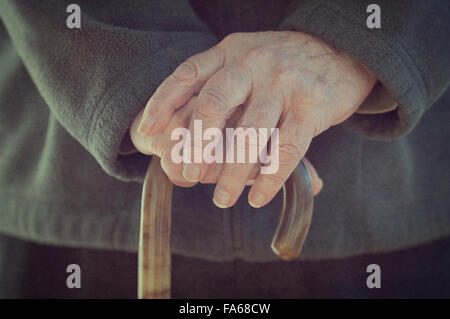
x=306, y=125
x=247, y=139
x=322, y=122
x=261, y=54
x=155, y=110
x=152, y=112
x=206, y=111
x=232, y=37
x=247, y=148
x=257, y=120
x=289, y=153
x=253, y=174
x=273, y=179
x=216, y=100
x=246, y=127
x=161, y=94
x=288, y=76
x=186, y=72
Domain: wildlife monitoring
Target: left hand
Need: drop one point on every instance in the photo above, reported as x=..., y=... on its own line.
x=282, y=79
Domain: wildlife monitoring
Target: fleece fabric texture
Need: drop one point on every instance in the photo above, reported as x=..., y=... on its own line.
x=68, y=96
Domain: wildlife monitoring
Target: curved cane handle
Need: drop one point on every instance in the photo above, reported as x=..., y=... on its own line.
x=295, y=216
x=154, y=266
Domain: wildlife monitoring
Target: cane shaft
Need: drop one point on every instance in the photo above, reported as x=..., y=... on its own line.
x=154, y=267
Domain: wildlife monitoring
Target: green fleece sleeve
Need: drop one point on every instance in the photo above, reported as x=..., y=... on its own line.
x=409, y=54
x=96, y=79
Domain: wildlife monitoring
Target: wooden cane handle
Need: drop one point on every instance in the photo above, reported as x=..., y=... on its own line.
x=154, y=265
x=295, y=216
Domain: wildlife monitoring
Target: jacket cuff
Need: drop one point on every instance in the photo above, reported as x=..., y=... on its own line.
x=123, y=101
x=346, y=30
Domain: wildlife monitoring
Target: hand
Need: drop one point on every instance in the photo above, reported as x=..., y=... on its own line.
x=286, y=79
x=161, y=144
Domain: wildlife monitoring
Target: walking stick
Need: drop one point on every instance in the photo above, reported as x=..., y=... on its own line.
x=154, y=266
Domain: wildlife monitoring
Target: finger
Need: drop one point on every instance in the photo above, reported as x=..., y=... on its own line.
x=250, y=182
x=253, y=132
x=174, y=172
x=222, y=94
x=171, y=163
x=161, y=145
x=316, y=181
x=213, y=170
x=212, y=176
x=294, y=140
x=187, y=79
x=141, y=142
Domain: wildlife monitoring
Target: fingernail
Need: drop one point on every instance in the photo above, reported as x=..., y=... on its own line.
x=221, y=198
x=191, y=172
x=257, y=200
x=146, y=124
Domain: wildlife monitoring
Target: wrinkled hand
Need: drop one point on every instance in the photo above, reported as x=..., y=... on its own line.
x=161, y=145
x=283, y=79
